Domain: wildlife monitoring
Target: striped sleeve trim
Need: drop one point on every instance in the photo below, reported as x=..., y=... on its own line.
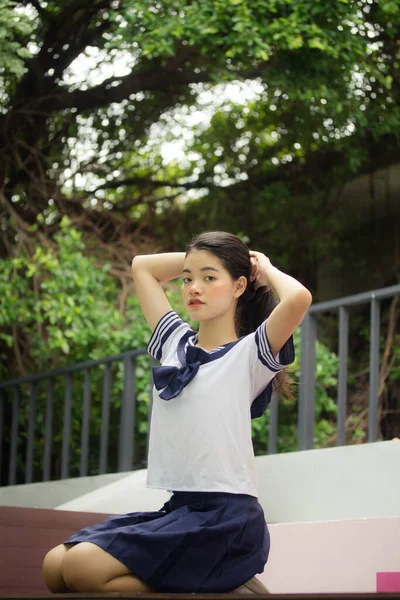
x=166, y=325
x=286, y=354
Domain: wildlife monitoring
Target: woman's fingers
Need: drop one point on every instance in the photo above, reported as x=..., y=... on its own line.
x=255, y=270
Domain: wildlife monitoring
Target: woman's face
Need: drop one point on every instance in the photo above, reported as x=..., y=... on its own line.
x=208, y=289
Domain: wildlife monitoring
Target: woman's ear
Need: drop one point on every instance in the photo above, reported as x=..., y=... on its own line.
x=240, y=285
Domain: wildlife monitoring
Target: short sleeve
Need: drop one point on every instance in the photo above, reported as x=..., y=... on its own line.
x=264, y=365
x=166, y=336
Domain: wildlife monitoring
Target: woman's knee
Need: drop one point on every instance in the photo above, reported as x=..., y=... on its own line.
x=89, y=568
x=52, y=569
x=85, y=568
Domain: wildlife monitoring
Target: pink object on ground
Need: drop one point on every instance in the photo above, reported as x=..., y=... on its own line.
x=388, y=582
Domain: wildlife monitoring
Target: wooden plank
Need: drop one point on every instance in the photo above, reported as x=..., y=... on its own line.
x=171, y=596
x=47, y=518
x=26, y=535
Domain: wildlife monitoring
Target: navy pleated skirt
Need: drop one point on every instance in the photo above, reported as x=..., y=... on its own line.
x=197, y=542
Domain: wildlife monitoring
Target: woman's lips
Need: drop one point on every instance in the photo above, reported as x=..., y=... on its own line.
x=196, y=303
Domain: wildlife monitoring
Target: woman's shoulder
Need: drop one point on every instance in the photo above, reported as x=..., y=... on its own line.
x=166, y=334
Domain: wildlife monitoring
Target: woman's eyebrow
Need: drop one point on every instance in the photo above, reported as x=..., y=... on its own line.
x=202, y=269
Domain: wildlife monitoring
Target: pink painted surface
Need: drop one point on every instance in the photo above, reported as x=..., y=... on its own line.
x=332, y=556
x=388, y=582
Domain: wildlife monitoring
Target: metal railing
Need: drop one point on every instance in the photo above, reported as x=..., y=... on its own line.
x=127, y=422
x=306, y=414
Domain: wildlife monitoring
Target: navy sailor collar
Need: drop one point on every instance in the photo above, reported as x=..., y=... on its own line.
x=170, y=380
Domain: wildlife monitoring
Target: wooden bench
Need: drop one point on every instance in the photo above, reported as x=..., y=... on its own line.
x=26, y=535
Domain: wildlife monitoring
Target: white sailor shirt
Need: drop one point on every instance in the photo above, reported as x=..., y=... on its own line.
x=200, y=433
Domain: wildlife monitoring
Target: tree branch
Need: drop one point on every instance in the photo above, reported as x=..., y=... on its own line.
x=158, y=78
x=383, y=153
x=142, y=182
x=59, y=30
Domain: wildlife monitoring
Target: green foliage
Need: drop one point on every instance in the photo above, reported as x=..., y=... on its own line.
x=13, y=27
x=395, y=371
x=235, y=28
x=64, y=305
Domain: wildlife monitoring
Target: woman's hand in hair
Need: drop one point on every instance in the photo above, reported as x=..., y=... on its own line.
x=259, y=268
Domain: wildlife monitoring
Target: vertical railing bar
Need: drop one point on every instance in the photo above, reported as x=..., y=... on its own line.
x=83, y=470
x=301, y=436
x=374, y=371
x=127, y=419
x=105, y=418
x=153, y=363
x=48, y=436
x=342, y=382
x=273, y=424
x=306, y=418
x=67, y=427
x=311, y=395
x=12, y=472
x=2, y=403
x=31, y=433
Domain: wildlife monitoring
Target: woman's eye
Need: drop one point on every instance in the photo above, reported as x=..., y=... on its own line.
x=185, y=279
x=210, y=278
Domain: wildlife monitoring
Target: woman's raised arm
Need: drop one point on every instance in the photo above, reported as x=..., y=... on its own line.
x=294, y=300
x=147, y=272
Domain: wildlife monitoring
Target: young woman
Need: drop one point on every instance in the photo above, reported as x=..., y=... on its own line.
x=211, y=535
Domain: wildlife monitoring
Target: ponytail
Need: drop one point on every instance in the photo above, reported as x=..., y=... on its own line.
x=253, y=308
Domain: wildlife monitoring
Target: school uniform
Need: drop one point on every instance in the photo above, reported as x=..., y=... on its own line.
x=211, y=535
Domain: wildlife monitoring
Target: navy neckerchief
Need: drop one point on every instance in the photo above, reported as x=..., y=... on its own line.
x=171, y=380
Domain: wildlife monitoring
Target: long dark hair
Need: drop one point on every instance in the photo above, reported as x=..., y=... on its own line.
x=254, y=305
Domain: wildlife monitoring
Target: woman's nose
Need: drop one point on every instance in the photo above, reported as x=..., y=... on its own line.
x=195, y=288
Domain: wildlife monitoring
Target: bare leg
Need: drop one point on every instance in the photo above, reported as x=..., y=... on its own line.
x=52, y=569
x=127, y=583
x=88, y=568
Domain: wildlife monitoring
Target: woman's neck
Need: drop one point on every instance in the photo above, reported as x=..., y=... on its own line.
x=216, y=332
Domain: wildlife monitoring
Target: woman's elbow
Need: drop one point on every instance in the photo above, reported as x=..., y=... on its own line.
x=305, y=297
x=302, y=298
x=137, y=261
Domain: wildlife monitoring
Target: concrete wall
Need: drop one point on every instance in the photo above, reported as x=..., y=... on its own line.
x=316, y=485
x=126, y=495
x=352, y=556
x=348, y=482
x=53, y=493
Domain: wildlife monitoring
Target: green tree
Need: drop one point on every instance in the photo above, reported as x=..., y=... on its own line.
x=326, y=107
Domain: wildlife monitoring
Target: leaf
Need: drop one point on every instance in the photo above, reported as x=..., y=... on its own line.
x=317, y=43
x=388, y=80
